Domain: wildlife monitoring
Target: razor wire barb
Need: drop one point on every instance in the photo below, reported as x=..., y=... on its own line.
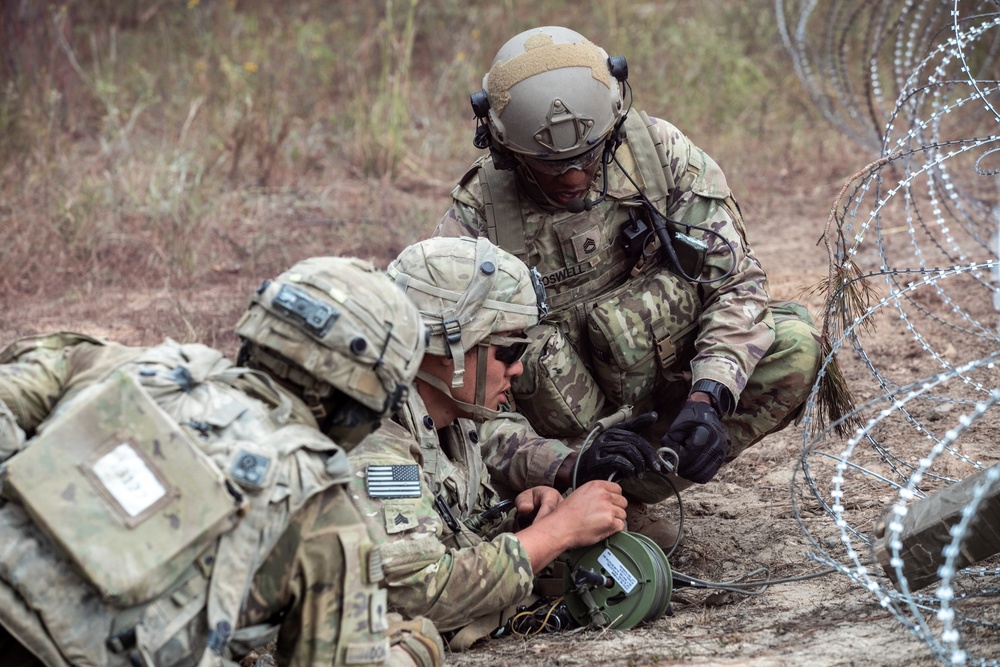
x=913, y=241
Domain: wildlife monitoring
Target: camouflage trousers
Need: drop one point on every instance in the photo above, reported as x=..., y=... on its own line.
x=773, y=397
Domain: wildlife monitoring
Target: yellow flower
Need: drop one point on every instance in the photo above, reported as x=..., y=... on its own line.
x=250, y=67
x=193, y=3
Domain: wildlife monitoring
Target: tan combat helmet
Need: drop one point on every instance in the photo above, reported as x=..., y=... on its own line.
x=342, y=335
x=553, y=95
x=469, y=292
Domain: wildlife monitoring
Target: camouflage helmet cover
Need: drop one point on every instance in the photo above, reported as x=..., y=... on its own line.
x=552, y=94
x=466, y=290
x=342, y=322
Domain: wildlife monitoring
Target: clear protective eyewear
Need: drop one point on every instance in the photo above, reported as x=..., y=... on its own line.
x=559, y=167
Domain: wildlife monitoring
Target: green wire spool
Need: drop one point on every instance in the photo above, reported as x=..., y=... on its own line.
x=618, y=583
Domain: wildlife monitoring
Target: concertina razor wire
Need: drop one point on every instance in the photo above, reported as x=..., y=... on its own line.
x=914, y=244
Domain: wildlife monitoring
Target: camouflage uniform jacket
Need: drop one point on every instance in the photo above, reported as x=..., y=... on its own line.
x=584, y=250
x=582, y=261
x=517, y=457
x=450, y=573
x=300, y=583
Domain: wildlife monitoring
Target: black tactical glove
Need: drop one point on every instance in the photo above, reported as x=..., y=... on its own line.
x=619, y=450
x=699, y=440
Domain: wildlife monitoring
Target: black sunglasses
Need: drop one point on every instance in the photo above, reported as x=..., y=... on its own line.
x=509, y=350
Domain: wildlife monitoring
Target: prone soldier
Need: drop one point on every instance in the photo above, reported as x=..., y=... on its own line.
x=165, y=507
x=450, y=550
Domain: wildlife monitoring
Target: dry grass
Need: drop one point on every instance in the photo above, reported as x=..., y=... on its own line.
x=162, y=148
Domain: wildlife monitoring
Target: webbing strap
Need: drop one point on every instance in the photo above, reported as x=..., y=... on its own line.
x=502, y=208
x=649, y=154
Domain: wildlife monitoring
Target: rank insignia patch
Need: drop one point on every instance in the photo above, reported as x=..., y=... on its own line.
x=401, y=481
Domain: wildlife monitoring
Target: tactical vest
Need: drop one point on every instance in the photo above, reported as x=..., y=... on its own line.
x=453, y=471
x=629, y=324
x=174, y=491
x=587, y=256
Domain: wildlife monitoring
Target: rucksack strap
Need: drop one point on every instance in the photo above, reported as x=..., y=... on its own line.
x=501, y=201
x=243, y=550
x=650, y=155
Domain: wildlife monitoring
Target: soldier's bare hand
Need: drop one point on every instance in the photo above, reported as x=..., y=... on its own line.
x=592, y=512
x=536, y=503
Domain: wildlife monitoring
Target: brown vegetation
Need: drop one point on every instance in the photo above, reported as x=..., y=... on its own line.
x=157, y=160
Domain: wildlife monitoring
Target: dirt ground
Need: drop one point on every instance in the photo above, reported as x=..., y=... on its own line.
x=741, y=521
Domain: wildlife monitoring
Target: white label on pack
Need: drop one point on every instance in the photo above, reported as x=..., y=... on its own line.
x=618, y=571
x=128, y=479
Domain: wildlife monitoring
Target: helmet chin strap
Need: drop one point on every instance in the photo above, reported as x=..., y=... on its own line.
x=478, y=412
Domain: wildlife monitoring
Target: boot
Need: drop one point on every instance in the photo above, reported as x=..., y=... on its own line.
x=639, y=519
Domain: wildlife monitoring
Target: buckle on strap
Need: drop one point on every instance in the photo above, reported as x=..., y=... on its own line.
x=452, y=330
x=121, y=641
x=666, y=350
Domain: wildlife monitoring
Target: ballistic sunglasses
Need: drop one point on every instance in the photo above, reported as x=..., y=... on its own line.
x=510, y=349
x=560, y=167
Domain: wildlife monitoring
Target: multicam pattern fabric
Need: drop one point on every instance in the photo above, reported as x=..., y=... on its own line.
x=452, y=577
x=323, y=558
x=449, y=278
x=517, y=457
x=639, y=329
x=583, y=263
x=317, y=572
x=556, y=389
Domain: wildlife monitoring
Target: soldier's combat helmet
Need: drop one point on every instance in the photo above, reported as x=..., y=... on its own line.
x=342, y=336
x=551, y=94
x=470, y=293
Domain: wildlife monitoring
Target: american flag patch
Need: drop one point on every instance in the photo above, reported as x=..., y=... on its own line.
x=401, y=481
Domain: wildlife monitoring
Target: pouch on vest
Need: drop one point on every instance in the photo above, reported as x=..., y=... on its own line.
x=556, y=392
x=122, y=491
x=640, y=333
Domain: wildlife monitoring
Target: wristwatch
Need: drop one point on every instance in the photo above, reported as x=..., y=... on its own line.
x=722, y=398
